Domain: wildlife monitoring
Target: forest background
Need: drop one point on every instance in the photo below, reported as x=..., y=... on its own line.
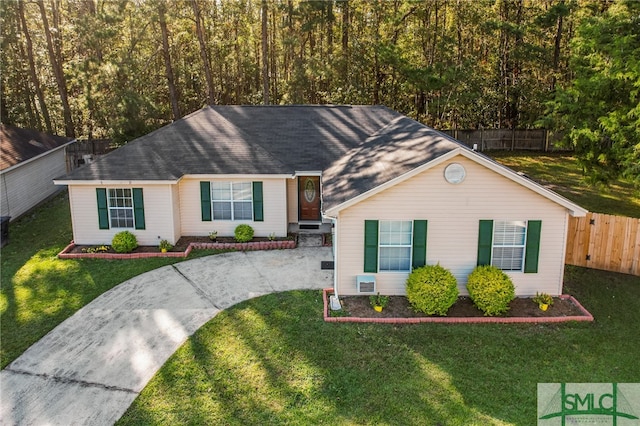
x=120, y=68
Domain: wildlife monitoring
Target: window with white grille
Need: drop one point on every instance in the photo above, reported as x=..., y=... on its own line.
x=509, y=238
x=121, y=208
x=232, y=200
x=395, y=245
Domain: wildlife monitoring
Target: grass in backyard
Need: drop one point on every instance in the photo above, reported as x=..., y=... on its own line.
x=272, y=360
x=39, y=291
x=561, y=173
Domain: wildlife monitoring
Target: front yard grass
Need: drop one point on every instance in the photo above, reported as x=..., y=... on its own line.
x=273, y=360
x=39, y=291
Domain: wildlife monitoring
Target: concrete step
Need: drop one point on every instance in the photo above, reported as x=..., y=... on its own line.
x=309, y=240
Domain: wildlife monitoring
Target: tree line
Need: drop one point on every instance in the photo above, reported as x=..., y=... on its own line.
x=120, y=68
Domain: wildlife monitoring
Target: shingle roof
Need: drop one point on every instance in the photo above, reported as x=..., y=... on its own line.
x=357, y=147
x=18, y=145
x=398, y=148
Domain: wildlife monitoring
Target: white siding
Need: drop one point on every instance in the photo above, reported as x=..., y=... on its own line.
x=30, y=183
x=275, y=210
x=453, y=213
x=158, y=213
x=292, y=200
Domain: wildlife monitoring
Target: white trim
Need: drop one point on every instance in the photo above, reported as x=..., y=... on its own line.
x=306, y=173
x=113, y=182
x=235, y=176
x=22, y=163
x=171, y=181
x=574, y=209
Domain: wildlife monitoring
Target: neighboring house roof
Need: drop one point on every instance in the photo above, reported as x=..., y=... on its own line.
x=19, y=145
x=358, y=148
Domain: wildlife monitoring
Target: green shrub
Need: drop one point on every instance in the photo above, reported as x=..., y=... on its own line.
x=490, y=289
x=124, y=242
x=243, y=233
x=432, y=289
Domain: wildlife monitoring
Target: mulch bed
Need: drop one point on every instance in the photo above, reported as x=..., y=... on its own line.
x=181, y=245
x=399, y=307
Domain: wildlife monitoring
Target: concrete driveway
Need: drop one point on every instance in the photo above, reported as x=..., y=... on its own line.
x=90, y=368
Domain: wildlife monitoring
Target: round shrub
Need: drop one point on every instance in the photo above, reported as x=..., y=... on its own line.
x=490, y=289
x=243, y=233
x=124, y=242
x=432, y=289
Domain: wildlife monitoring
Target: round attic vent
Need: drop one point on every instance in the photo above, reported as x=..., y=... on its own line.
x=454, y=173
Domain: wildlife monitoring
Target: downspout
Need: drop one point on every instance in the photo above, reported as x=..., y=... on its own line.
x=334, y=300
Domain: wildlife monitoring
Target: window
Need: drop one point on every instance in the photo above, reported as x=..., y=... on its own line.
x=121, y=208
x=395, y=245
x=232, y=200
x=509, y=240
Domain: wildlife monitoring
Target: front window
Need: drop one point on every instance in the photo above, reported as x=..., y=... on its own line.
x=121, y=208
x=508, y=245
x=395, y=245
x=232, y=200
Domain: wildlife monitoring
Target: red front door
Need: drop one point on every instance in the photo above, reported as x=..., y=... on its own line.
x=309, y=197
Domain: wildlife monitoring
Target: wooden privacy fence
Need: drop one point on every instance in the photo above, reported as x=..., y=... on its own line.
x=508, y=139
x=602, y=241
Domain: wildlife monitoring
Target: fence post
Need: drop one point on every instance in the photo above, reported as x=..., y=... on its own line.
x=513, y=138
x=546, y=140
x=481, y=138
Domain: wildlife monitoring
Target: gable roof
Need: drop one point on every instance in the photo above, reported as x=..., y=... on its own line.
x=401, y=146
x=335, y=205
x=18, y=145
x=359, y=150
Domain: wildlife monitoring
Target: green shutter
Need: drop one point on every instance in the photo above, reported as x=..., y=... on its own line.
x=485, y=240
x=138, y=208
x=532, y=249
x=205, y=201
x=370, y=246
x=419, y=243
x=258, y=202
x=103, y=210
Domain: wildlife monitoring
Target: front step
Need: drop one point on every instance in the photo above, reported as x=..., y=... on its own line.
x=309, y=240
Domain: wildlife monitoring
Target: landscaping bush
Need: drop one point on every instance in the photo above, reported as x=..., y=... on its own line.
x=243, y=233
x=432, y=289
x=124, y=242
x=490, y=289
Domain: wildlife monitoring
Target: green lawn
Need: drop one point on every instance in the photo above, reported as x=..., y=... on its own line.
x=39, y=291
x=561, y=173
x=273, y=360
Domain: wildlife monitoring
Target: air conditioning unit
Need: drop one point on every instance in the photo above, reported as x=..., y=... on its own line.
x=366, y=284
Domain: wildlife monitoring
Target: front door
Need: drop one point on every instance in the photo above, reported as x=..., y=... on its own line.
x=309, y=198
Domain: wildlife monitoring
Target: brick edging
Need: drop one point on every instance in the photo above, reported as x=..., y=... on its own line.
x=460, y=320
x=252, y=246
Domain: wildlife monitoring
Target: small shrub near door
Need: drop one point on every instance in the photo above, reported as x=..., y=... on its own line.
x=124, y=242
x=432, y=289
x=243, y=233
x=490, y=289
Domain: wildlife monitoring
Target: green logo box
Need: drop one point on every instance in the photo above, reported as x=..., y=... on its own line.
x=599, y=404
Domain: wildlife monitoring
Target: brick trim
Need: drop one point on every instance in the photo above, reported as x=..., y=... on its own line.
x=251, y=246
x=451, y=320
